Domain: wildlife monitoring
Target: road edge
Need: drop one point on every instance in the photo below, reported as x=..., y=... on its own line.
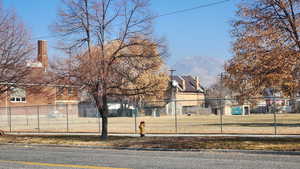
x=273, y=152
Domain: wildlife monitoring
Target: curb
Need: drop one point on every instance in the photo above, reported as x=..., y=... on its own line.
x=159, y=135
x=266, y=152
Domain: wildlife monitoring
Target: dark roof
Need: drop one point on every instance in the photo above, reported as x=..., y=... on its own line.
x=189, y=82
x=178, y=80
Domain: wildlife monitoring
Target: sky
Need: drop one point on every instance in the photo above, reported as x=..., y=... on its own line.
x=202, y=32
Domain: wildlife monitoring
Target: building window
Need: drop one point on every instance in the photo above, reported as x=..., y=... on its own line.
x=60, y=91
x=18, y=95
x=70, y=91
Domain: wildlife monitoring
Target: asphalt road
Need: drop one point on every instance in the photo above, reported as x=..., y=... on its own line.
x=17, y=157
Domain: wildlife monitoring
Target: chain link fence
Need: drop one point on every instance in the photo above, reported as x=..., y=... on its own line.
x=209, y=116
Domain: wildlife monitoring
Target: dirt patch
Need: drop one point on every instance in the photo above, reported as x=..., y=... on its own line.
x=242, y=143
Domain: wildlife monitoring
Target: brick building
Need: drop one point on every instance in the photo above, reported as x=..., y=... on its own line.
x=40, y=90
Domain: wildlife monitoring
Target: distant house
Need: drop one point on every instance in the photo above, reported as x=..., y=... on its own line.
x=184, y=96
x=274, y=101
x=37, y=90
x=189, y=96
x=269, y=101
x=188, y=88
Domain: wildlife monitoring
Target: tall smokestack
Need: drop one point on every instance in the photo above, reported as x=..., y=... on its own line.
x=43, y=53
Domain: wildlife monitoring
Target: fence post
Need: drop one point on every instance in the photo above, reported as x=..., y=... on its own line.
x=221, y=116
x=67, y=113
x=135, y=126
x=9, y=111
x=38, y=117
x=176, y=127
x=99, y=121
x=27, y=120
x=221, y=121
x=275, y=123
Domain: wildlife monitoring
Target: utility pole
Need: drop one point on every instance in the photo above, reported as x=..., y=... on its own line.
x=172, y=85
x=173, y=98
x=221, y=103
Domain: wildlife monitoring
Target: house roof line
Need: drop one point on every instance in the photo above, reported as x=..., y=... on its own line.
x=190, y=83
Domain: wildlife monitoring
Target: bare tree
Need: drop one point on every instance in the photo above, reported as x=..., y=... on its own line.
x=15, y=49
x=111, y=47
x=266, y=47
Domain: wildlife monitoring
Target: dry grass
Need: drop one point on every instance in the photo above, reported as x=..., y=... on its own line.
x=253, y=124
x=242, y=143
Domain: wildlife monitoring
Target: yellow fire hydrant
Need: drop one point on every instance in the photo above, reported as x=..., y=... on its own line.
x=142, y=128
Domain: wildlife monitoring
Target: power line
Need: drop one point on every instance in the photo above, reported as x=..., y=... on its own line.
x=193, y=8
x=160, y=15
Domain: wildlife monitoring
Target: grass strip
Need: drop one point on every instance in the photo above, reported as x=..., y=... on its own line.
x=240, y=143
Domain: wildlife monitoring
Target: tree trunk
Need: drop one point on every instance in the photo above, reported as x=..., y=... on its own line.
x=104, y=114
x=104, y=132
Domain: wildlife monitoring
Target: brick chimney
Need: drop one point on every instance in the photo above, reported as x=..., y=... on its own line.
x=197, y=82
x=182, y=83
x=43, y=53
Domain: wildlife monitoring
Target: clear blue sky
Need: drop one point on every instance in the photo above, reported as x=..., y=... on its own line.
x=202, y=32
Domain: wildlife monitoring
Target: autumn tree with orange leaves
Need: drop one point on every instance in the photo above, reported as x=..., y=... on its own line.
x=266, y=48
x=113, y=51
